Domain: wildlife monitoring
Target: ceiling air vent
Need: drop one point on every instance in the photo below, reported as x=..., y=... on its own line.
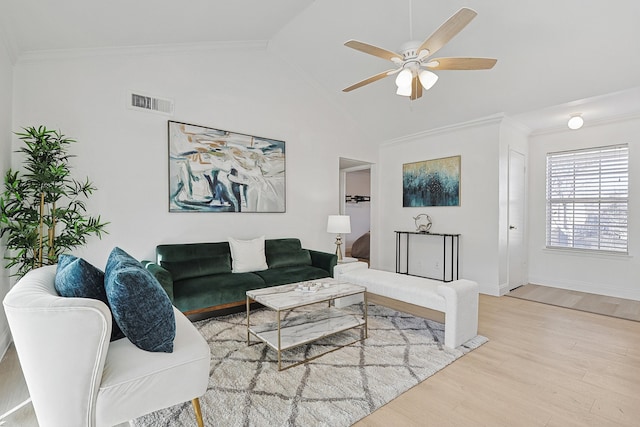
x=154, y=104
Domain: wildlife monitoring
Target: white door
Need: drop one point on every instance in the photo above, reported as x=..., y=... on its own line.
x=516, y=235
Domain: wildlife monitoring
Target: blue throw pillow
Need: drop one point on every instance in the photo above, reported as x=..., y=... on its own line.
x=140, y=306
x=76, y=278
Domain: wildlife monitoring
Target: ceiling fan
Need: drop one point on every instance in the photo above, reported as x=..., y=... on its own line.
x=414, y=60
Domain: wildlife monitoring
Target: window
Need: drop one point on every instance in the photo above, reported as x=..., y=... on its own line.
x=588, y=198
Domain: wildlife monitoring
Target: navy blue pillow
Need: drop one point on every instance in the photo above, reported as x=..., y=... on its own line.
x=76, y=278
x=140, y=306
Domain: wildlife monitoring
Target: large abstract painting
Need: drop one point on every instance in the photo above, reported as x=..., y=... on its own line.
x=213, y=170
x=431, y=183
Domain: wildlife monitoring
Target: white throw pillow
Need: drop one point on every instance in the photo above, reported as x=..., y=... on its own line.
x=248, y=255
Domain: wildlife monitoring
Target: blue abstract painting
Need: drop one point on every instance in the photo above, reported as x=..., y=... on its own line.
x=431, y=183
x=213, y=170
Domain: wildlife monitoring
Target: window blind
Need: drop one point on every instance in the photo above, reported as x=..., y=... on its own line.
x=587, y=199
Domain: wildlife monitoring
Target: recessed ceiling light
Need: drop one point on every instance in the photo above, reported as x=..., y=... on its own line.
x=575, y=121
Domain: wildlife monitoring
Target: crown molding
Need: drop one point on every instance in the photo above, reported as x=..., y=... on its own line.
x=178, y=48
x=517, y=125
x=483, y=121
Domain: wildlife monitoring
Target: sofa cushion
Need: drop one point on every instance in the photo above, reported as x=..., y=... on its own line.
x=140, y=306
x=287, y=244
x=209, y=291
x=215, y=264
x=186, y=251
x=289, y=259
x=132, y=380
x=76, y=278
x=248, y=255
x=293, y=274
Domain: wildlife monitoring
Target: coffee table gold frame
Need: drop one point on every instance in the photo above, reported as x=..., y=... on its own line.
x=284, y=299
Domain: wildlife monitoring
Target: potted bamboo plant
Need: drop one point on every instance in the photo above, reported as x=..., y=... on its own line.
x=42, y=210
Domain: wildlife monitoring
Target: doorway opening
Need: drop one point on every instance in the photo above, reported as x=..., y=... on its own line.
x=355, y=201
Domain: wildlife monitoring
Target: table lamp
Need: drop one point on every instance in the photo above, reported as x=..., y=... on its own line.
x=339, y=224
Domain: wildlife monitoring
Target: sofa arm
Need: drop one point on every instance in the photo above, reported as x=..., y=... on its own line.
x=162, y=275
x=62, y=345
x=323, y=260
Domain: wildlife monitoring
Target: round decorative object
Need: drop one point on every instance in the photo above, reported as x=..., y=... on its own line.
x=423, y=223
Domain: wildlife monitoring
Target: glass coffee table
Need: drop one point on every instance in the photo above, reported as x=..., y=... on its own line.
x=322, y=318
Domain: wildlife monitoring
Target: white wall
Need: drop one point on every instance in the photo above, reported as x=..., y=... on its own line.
x=124, y=152
x=6, y=91
x=612, y=275
x=477, y=217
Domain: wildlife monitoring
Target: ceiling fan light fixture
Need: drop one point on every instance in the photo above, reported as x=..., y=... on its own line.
x=427, y=79
x=575, y=121
x=404, y=90
x=414, y=56
x=404, y=78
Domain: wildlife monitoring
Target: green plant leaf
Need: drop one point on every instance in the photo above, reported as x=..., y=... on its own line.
x=47, y=171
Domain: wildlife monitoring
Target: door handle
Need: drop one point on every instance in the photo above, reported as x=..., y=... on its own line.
x=512, y=227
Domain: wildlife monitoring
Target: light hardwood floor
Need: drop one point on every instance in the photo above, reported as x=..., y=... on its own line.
x=543, y=366
x=609, y=306
x=13, y=391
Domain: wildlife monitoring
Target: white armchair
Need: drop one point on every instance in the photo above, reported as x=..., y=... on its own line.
x=76, y=377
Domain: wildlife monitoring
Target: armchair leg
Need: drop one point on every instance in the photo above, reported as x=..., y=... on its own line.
x=196, y=408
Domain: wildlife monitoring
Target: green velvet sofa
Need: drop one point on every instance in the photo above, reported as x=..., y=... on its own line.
x=198, y=278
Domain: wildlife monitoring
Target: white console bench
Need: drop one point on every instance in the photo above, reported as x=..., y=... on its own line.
x=457, y=299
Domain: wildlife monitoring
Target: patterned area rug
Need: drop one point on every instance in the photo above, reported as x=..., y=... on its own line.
x=336, y=389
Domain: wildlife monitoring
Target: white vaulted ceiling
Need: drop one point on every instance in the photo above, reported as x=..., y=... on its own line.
x=555, y=57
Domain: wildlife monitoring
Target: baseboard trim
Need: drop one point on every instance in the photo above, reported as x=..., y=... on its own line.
x=503, y=289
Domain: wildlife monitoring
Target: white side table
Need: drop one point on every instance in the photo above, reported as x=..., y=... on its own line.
x=347, y=259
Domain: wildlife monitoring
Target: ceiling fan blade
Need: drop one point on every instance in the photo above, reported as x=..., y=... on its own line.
x=374, y=50
x=448, y=30
x=461, y=63
x=369, y=80
x=416, y=88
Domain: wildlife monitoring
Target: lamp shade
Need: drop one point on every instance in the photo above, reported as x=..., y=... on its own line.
x=427, y=79
x=404, y=78
x=339, y=224
x=404, y=90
